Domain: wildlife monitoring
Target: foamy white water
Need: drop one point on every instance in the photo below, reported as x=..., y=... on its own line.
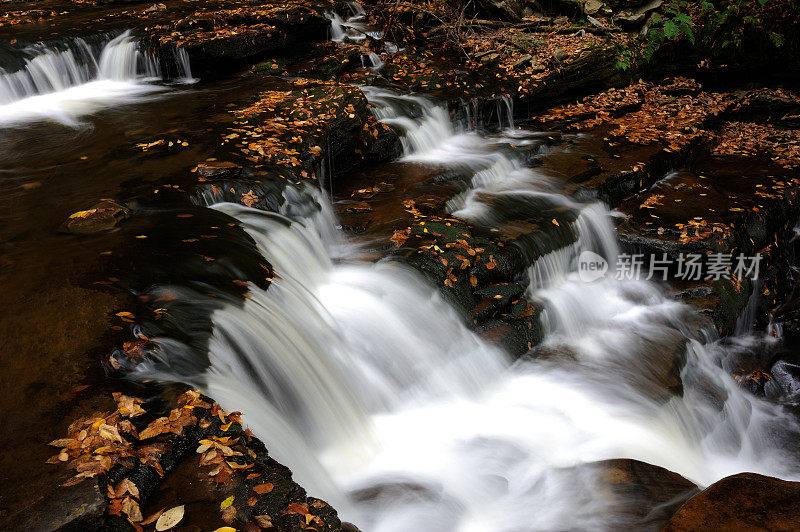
x=62, y=84
x=359, y=378
x=368, y=387
x=492, y=169
x=351, y=28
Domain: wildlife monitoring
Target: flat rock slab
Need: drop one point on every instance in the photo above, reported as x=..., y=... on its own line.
x=692, y=208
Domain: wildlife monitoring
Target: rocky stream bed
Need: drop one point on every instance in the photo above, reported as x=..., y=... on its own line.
x=448, y=191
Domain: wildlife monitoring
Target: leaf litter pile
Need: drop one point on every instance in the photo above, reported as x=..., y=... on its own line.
x=131, y=450
x=677, y=113
x=289, y=128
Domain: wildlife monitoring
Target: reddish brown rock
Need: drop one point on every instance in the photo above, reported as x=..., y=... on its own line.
x=210, y=169
x=640, y=495
x=746, y=501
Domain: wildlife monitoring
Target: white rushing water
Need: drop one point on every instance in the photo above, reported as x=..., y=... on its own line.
x=429, y=137
x=362, y=381
x=352, y=28
x=63, y=83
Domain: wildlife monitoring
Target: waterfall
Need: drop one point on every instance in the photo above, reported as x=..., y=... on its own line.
x=429, y=136
x=422, y=135
x=505, y=106
x=629, y=344
x=366, y=384
x=352, y=28
x=331, y=345
x=62, y=82
x=375, y=61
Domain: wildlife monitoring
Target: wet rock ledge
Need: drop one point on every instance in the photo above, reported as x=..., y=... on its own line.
x=308, y=124
x=132, y=450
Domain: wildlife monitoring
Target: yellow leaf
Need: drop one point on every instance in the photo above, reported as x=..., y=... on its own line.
x=227, y=502
x=225, y=529
x=83, y=214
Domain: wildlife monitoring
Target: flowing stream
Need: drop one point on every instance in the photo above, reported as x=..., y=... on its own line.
x=357, y=374
x=67, y=80
x=364, y=382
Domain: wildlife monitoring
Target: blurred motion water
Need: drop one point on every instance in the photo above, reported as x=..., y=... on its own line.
x=66, y=81
x=367, y=385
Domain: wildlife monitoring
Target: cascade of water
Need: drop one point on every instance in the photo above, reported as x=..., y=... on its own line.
x=330, y=344
x=422, y=134
x=350, y=29
x=184, y=67
x=61, y=83
x=744, y=323
x=631, y=341
x=375, y=61
x=629, y=346
x=429, y=136
x=357, y=10
x=410, y=422
x=312, y=206
x=505, y=103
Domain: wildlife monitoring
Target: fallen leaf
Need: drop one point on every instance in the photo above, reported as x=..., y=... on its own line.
x=153, y=517
x=264, y=521
x=108, y=432
x=131, y=509
x=263, y=488
x=170, y=518
x=229, y=514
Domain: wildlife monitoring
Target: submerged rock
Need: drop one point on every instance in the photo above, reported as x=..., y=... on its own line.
x=103, y=216
x=76, y=509
x=218, y=169
x=785, y=380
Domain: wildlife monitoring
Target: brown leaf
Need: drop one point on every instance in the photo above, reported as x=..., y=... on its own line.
x=155, y=428
x=153, y=517
x=297, y=508
x=263, y=488
x=63, y=442
x=131, y=509
x=107, y=432
x=126, y=486
x=229, y=514
x=264, y=521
